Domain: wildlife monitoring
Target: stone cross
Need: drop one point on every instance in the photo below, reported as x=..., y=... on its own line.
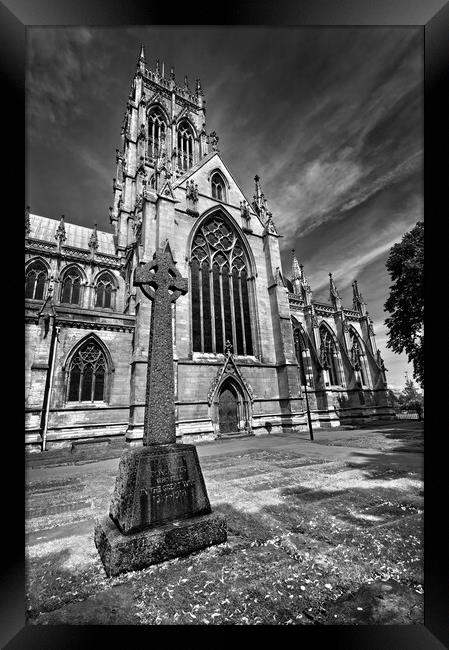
x=162, y=283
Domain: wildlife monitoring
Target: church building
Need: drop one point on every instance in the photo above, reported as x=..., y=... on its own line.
x=249, y=343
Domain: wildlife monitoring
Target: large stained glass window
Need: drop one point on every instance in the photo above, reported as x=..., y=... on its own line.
x=87, y=374
x=156, y=132
x=220, y=290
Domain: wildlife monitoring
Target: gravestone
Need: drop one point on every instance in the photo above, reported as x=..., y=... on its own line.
x=160, y=508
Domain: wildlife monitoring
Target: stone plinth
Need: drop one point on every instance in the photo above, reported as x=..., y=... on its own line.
x=157, y=484
x=121, y=553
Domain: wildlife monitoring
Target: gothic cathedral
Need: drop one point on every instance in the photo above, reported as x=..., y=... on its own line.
x=248, y=342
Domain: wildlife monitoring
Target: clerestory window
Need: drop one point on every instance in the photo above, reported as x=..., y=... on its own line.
x=35, y=281
x=105, y=292
x=220, y=290
x=71, y=287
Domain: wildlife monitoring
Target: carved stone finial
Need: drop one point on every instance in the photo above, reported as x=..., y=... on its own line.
x=213, y=139
x=60, y=234
x=27, y=221
x=228, y=348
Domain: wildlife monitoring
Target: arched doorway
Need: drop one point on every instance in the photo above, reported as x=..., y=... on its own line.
x=228, y=410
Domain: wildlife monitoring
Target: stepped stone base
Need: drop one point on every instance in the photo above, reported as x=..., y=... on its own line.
x=121, y=553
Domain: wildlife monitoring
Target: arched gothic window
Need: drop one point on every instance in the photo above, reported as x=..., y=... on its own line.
x=105, y=292
x=185, y=146
x=71, y=287
x=220, y=290
x=87, y=374
x=329, y=356
x=156, y=132
x=357, y=356
x=303, y=357
x=35, y=280
x=218, y=187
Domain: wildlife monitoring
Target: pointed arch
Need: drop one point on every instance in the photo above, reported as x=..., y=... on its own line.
x=88, y=368
x=329, y=354
x=73, y=280
x=227, y=383
x=302, y=346
x=105, y=290
x=186, y=137
x=36, y=278
x=158, y=121
x=221, y=275
x=357, y=354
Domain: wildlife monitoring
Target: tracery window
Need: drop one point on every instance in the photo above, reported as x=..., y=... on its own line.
x=329, y=356
x=185, y=146
x=156, y=132
x=71, y=287
x=220, y=290
x=218, y=187
x=105, y=292
x=87, y=374
x=303, y=356
x=35, y=280
x=357, y=356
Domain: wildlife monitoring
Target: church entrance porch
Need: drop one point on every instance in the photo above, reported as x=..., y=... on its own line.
x=228, y=412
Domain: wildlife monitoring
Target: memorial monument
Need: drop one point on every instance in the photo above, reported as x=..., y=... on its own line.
x=159, y=509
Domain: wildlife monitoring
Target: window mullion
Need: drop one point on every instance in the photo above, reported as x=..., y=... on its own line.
x=242, y=314
x=222, y=309
x=201, y=305
x=232, y=305
x=212, y=304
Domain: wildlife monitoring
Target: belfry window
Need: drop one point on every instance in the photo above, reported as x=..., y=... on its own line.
x=220, y=290
x=218, y=188
x=71, y=287
x=87, y=375
x=185, y=146
x=156, y=132
x=329, y=356
x=35, y=280
x=105, y=292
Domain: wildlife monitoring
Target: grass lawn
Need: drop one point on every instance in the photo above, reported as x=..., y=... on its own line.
x=311, y=540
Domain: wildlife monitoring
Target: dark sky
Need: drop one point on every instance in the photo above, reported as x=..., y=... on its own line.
x=330, y=118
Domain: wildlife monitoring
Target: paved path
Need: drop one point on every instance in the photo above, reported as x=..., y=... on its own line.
x=295, y=442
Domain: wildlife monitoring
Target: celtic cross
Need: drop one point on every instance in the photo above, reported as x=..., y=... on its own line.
x=162, y=283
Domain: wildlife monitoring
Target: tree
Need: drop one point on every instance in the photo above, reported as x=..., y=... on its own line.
x=411, y=399
x=405, y=303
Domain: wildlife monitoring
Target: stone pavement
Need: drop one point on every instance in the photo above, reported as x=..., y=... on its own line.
x=311, y=524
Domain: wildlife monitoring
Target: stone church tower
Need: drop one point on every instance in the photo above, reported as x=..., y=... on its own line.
x=247, y=340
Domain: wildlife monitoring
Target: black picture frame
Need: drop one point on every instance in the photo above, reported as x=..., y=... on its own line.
x=433, y=16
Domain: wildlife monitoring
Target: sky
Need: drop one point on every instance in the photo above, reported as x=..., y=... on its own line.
x=331, y=119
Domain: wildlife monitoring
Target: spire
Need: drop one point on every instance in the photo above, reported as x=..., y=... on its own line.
x=172, y=72
x=296, y=269
x=141, y=64
x=358, y=302
x=335, y=297
x=199, y=90
x=186, y=83
x=157, y=67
